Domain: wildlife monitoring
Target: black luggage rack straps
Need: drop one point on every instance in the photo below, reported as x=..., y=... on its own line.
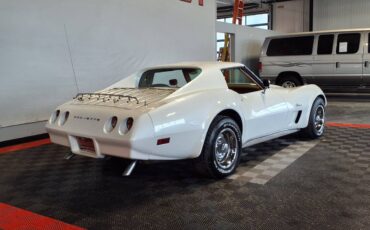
x=105, y=97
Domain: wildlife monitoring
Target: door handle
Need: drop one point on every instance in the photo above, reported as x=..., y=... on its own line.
x=337, y=64
x=366, y=64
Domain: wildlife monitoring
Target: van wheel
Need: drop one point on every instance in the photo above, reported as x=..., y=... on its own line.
x=289, y=82
x=221, y=151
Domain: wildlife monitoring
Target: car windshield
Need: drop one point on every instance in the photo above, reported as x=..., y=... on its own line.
x=169, y=77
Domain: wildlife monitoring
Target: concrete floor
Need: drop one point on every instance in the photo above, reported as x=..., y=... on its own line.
x=353, y=109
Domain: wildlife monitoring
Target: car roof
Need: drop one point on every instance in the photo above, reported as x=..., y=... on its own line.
x=201, y=65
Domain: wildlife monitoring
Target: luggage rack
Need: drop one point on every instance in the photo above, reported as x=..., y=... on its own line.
x=105, y=97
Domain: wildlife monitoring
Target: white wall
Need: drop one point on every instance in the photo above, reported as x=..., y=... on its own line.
x=248, y=42
x=52, y=49
x=341, y=14
x=292, y=16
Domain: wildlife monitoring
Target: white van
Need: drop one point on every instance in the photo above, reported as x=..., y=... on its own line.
x=337, y=61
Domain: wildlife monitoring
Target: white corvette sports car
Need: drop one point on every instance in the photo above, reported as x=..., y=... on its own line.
x=207, y=111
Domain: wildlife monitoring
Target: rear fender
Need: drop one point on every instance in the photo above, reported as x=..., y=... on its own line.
x=186, y=120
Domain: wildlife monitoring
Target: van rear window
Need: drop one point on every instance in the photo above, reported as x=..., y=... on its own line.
x=290, y=46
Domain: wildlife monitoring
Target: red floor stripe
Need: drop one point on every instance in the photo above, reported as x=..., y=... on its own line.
x=12, y=218
x=24, y=146
x=348, y=125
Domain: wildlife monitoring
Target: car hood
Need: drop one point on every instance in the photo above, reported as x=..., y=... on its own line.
x=126, y=98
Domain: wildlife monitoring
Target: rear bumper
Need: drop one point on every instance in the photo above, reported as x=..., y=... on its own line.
x=103, y=146
x=89, y=122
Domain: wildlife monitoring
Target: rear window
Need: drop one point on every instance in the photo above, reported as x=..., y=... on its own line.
x=348, y=43
x=172, y=77
x=290, y=46
x=325, y=45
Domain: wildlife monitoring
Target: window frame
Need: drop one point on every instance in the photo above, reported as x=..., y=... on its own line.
x=332, y=45
x=258, y=24
x=347, y=53
x=157, y=70
x=368, y=42
x=244, y=19
x=247, y=72
x=281, y=54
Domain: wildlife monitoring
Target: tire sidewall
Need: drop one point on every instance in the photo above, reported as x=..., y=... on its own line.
x=222, y=124
x=314, y=108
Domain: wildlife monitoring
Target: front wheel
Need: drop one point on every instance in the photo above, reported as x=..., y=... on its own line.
x=316, y=122
x=221, y=151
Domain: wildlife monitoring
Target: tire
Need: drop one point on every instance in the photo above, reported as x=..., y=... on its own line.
x=221, y=150
x=316, y=121
x=289, y=82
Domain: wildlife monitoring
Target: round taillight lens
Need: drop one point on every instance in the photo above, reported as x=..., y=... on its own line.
x=114, y=122
x=129, y=123
x=125, y=126
x=110, y=124
x=63, y=119
x=54, y=116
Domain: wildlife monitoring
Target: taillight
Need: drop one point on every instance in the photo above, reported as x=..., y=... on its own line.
x=125, y=126
x=129, y=123
x=54, y=116
x=63, y=119
x=114, y=122
x=110, y=124
x=260, y=67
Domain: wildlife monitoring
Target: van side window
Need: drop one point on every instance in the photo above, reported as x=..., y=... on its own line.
x=325, y=45
x=348, y=43
x=290, y=46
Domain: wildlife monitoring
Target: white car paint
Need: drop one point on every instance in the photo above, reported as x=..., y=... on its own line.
x=183, y=115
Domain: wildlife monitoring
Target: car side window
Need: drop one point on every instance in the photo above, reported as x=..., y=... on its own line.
x=239, y=80
x=325, y=44
x=348, y=43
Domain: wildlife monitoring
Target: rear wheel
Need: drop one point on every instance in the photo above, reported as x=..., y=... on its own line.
x=221, y=151
x=316, y=122
x=289, y=82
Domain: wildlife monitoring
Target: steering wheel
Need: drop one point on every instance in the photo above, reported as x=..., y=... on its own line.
x=160, y=85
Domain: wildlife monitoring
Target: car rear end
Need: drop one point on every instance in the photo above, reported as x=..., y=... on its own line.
x=106, y=123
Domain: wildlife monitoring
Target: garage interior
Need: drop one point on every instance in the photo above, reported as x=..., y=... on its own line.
x=52, y=50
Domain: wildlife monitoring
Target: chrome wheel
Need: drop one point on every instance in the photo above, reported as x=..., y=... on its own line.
x=319, y=120
x=226, y=147
x=288, y=84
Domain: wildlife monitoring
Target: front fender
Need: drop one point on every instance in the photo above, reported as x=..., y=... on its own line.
x=302, y=98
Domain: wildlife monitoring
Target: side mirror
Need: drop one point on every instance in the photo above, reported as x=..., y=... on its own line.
x=266, y=83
